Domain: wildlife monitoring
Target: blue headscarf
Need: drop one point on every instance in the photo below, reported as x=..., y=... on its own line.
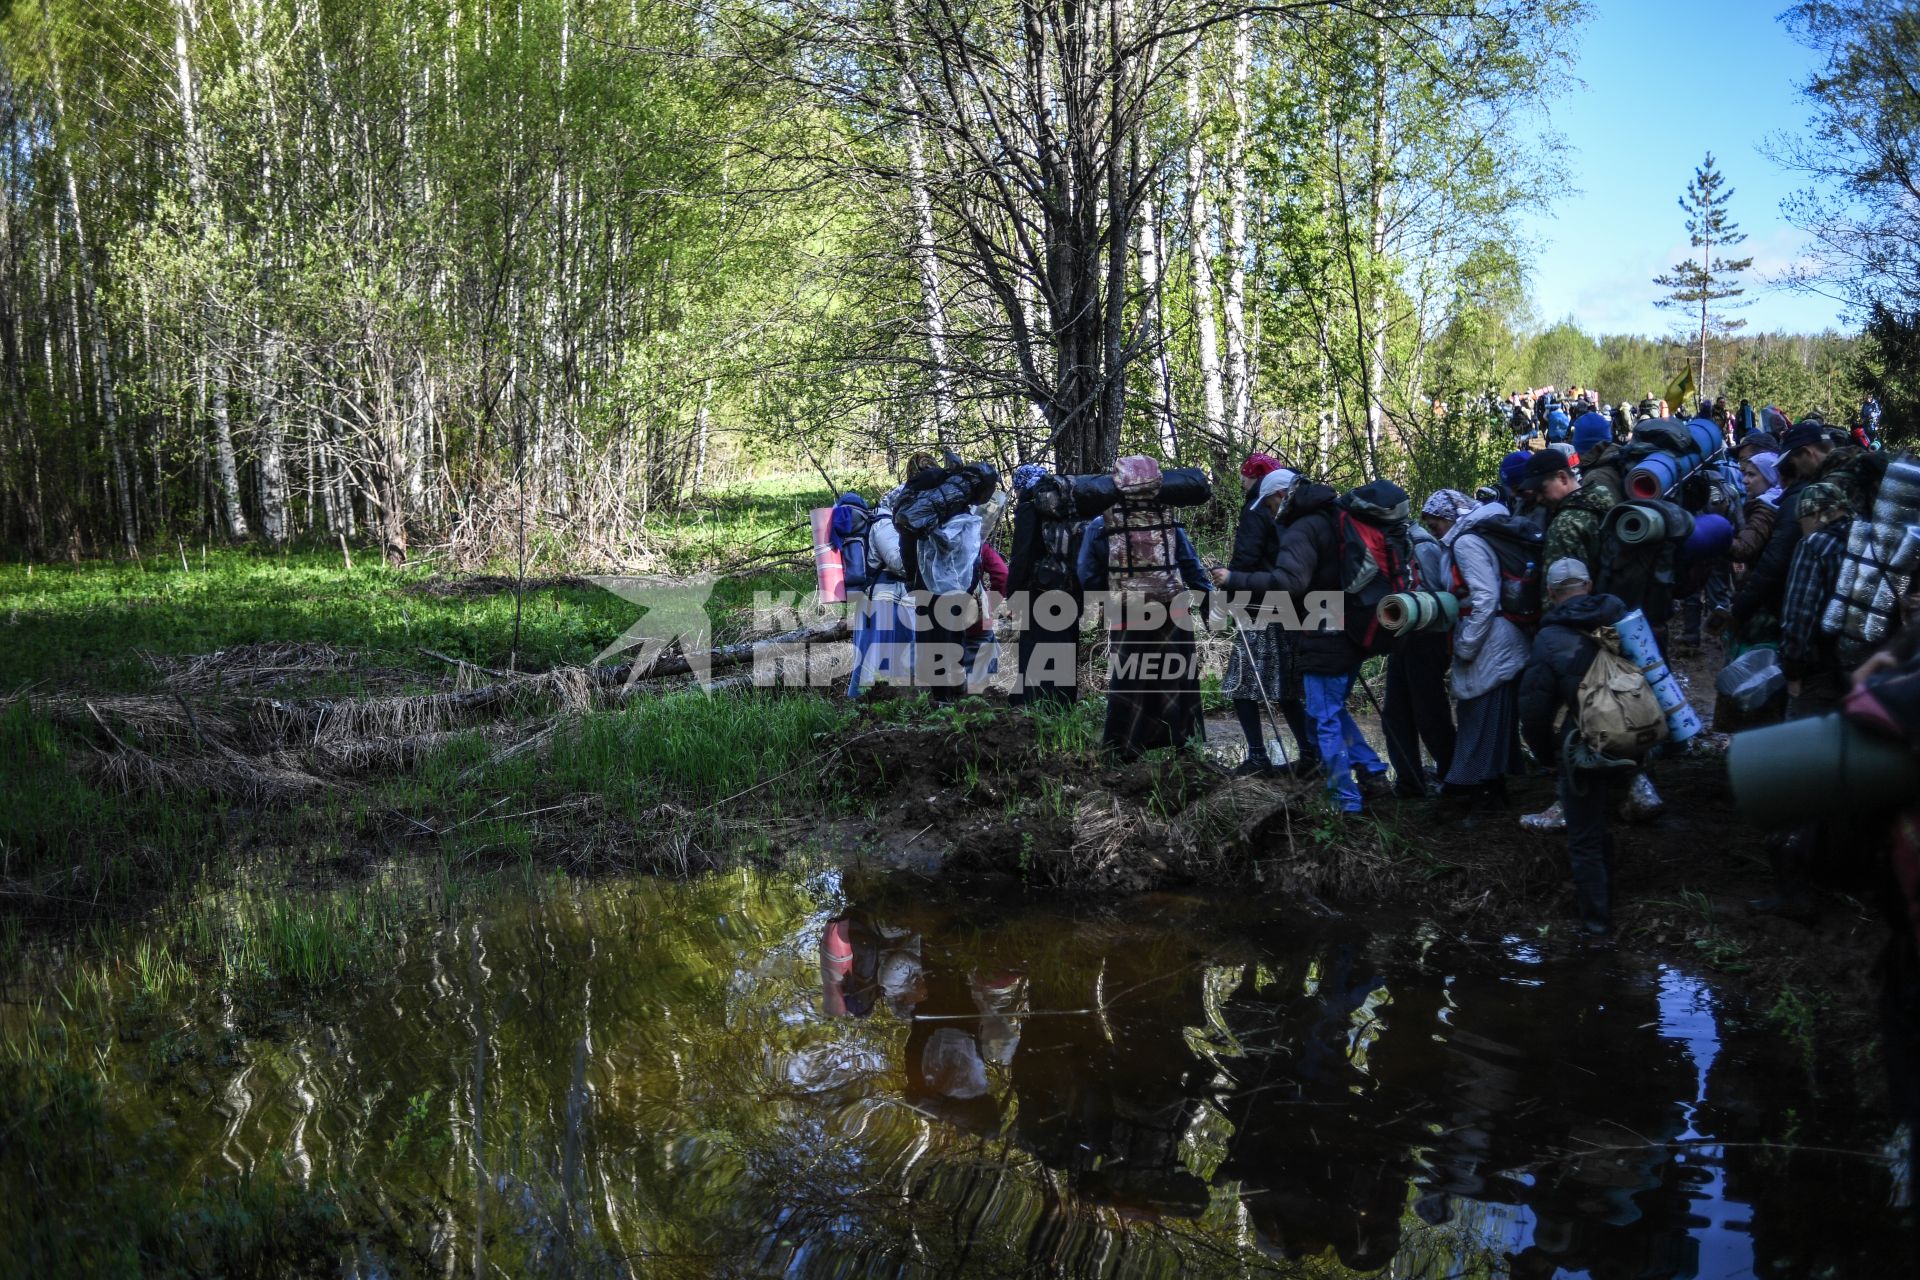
x=1027, y=475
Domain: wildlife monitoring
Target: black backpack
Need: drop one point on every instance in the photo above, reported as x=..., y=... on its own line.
x=1055, y=568
x=1520, y=546
x=1642, y=574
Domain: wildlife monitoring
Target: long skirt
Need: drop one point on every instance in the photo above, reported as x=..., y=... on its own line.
x=1487, y=747
x=883, y=638
x=1263, y=678
x=1049, y=655
x=1153, y=690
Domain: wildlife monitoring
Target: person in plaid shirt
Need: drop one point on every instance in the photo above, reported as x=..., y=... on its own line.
x=1808, y=656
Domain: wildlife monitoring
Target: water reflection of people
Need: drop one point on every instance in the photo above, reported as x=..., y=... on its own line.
x=1337, y=1093
x=862, y=962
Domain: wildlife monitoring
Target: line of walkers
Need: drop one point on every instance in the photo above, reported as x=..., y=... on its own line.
x=1535, y=611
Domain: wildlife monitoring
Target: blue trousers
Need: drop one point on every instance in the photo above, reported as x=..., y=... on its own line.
x=1342, y=745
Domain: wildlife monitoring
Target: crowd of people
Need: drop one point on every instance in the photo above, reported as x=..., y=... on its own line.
x=1789, y=546
x=1759, y=516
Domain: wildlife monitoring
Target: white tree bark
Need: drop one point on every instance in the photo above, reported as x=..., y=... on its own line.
x=933, y=304
x=95, y=325
x=218, y=373
x=1239, y=374
x=1200, y=238
x=1150, y=280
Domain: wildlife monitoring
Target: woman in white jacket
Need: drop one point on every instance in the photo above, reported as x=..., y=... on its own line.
x=1489, y=654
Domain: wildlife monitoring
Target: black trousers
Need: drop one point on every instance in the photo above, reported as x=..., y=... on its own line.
x=1416, y=710
x=1586, y=797
x=1049, y=681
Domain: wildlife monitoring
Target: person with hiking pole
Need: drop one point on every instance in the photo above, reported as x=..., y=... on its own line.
x=1259, y=671
x=1309, y=561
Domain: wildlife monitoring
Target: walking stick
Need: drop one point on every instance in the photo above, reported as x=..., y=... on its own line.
x=1259, y=685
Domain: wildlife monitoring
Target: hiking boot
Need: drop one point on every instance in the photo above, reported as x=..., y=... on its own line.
x=1373, y=786
x=1255, y=767
x=1548, y=819
x=1596, y=930
x=1643, y=803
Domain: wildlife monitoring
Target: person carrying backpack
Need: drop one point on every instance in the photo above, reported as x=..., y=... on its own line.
x=1416, y=711
x=1140, y=554
x=1489, y=647
x=1310, y=560
x=1261, y=675
x=1575, y=665
x=1045, y=584
x=883, y=610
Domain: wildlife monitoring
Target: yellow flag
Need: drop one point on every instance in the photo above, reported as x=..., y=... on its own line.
x=1677, y=392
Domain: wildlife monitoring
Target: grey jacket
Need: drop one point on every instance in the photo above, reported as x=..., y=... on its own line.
x=1488, y=651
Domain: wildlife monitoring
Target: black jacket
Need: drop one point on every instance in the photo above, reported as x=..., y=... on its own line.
x=1562, y=651
x=1026, y=549
x=1764, y=585
x=1308, y=559
x=1256, y=542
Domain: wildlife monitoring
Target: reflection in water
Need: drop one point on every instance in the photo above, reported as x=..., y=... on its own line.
x=757, y=1076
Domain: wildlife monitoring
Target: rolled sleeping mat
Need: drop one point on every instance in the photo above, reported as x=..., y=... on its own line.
x=1656, y=474
x=1786, y=775
x=1636, y=640
x=1666, y=690
x=1906, y=556
x=1405, y=612
x=1650, y=520
x=1711, y=538
x=1179, y=487
x=1683, y=722
x=1398, y=613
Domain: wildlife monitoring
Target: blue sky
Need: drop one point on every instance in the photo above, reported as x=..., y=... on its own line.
x=1666, y=81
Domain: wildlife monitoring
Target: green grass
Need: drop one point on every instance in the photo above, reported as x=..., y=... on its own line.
x=74, y=842
x=87, y=624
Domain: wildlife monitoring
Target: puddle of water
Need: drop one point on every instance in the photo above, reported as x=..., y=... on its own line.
x=755, y=1075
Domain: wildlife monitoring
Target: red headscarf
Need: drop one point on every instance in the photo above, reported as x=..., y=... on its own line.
x=1258, y=465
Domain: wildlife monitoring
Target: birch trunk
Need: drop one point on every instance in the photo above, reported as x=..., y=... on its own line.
x=1239, y=376
x=218, y=374
x=1150, y=280
x=933, y=305
x=1200, y=234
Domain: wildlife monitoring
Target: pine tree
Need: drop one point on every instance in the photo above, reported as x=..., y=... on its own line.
x=1704, y=281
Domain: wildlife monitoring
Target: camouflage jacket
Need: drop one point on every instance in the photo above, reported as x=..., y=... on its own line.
x=1575, y=528
x=1857, y=472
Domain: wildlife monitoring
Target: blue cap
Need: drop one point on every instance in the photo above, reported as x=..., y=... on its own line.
x=1590, y=430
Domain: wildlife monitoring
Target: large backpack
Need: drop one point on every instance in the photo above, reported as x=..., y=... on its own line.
x=1519, y=545
x=848, y=536
x=1142, y=544
x=1642, y=574
x=1060, y=530
x=1372, y=529
x=1616, y=714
